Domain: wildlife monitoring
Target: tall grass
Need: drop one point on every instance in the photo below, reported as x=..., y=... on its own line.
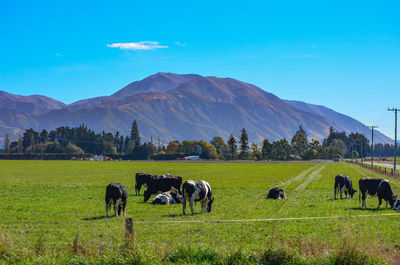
x=344, y=254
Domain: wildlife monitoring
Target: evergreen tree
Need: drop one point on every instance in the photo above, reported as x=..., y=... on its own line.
x=244, y=144
x=6, y=144
x=266, y=150
x=33, y=144
x=29, y=138
x=121, y=144
x=43, y=137
x=281, y=149
x=159, y=147
x=232, y=145
x=299, y=142
x=135, y=135
x=335, y=135
x=20, y=145
x=116, y=141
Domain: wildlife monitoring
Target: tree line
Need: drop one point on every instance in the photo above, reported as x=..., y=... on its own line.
x=81, y=140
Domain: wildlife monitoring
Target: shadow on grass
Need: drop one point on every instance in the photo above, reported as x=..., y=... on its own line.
x=97, y=218
x=179, y=215
x=363, y=209
x=338, y=199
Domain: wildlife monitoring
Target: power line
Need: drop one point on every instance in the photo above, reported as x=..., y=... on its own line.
x=395, y=110
x=372, y=142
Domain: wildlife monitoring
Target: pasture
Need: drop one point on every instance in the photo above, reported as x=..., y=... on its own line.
x=44, y=204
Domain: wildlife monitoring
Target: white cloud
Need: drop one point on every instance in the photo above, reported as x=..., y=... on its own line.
x=180, y=44
x=142, y=45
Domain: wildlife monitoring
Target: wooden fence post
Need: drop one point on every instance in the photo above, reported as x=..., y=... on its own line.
x=129, y=231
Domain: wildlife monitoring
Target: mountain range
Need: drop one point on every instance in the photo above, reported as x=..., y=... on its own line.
x=180, y=106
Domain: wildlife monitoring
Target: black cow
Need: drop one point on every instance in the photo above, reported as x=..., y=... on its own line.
x=168, y=197
x=197, y=191
x=376, y=187
x=276, y=193
x=117, y=195
x=162, y=184
x=142, y=179
x=344, y=183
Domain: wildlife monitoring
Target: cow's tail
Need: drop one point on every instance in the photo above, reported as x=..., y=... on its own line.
x=359, y=196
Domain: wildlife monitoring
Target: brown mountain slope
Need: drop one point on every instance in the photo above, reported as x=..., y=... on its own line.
x=172, y=106
x=34, y=104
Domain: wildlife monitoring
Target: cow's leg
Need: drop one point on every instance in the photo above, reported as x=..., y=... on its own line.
x=341, y=193
x=380, y=202
x=183, y=205
x=107, y=206
x=364, y=203
x=137, y=188
x=124, y=208
x=205, y=205
x=147, y=195
x=191, y=204
x=386, y=204
x=116, y=204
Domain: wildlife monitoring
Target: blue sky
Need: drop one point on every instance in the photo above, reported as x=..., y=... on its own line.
x=341, y=54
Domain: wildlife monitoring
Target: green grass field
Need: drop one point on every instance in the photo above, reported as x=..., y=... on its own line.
x=44, y=204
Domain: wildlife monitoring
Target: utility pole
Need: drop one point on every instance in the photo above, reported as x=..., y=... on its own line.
x=395, y=110
x=372, y=144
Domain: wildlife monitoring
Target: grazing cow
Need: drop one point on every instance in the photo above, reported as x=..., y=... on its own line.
x=276, y=193
x=197, y=191
x=376, y=187
x=168, y=197
x=162, y=184
x=396, y=205
x=344, y=183
x=142, y=179
x=117, y=195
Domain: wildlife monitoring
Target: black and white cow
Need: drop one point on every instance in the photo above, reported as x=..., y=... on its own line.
x=197, y=191
x=396, y=205
x=344, y=183
x=168, y=197
x=376, y=187
x=276, y=193
x=142, y=179
x=117, y=195
x=162, y=184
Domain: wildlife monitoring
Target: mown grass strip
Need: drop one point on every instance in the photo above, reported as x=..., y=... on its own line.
x=265, y=219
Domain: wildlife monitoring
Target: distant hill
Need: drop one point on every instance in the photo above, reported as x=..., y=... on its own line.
x=34, y=104
x=345, y=122
x=172, y=106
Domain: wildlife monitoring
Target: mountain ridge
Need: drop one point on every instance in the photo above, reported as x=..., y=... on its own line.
x=173, y=106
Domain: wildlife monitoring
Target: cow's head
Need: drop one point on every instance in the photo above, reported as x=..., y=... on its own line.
x=351, y=192
x=209, y=204
x=282, y=194
x=392, y=200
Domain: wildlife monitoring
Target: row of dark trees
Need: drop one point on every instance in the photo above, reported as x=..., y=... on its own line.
x=81, y=140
